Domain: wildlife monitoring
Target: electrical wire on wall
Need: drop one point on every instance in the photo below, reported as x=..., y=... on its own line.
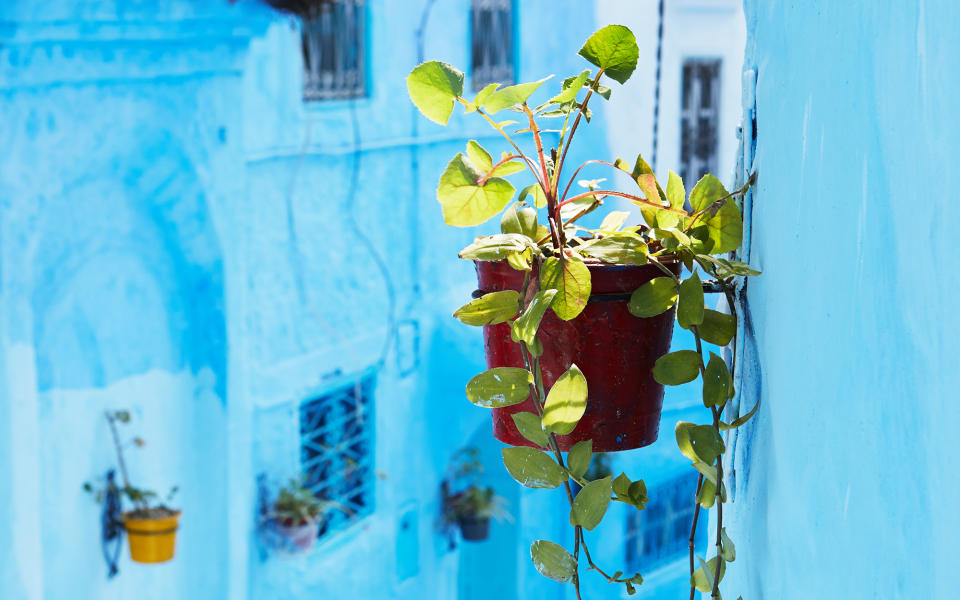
x=350, y=203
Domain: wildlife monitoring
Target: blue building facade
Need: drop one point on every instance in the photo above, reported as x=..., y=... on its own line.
x=184, y=236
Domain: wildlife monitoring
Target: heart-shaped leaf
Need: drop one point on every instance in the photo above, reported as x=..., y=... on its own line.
x=434, y=87
x=571, y=278
x=464, y=202
x=690, y=308
x=613, y=49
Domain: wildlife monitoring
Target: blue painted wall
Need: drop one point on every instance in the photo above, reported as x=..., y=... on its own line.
x=846, y=477
x=184, y=237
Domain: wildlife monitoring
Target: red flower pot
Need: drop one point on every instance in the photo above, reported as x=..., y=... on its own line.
x=615, y=350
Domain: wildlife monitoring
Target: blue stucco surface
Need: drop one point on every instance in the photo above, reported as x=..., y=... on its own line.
x=845, y=480
x=183, y=236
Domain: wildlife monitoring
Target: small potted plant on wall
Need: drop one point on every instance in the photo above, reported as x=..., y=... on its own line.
x=151, y=525
x=473, y=505
x=562, y=302
x=292, y=523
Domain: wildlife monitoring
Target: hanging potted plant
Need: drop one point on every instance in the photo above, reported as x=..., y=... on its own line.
x=562, y=303
x=293, y=522
x=151, y=525
x=473, y=505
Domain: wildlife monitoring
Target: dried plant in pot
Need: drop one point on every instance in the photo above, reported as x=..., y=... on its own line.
x=564, y=299
x=151, y=525
x=292, y=524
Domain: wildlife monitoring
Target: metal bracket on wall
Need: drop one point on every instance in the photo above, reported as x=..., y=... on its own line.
x=111, y=521
x=746, y=132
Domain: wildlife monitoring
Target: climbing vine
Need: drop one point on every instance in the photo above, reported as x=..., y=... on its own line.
x=698, y=230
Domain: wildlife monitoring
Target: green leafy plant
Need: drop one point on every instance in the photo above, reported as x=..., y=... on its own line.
x=470, y=498
x=147, y=504
x=540, y=234
x=296, y=505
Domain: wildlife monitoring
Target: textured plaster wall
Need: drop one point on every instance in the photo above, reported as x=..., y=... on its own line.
x=122, y=158
x=846, y=481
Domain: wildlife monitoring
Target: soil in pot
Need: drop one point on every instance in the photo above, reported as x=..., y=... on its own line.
x=473, y=528
x=615, y=350
x=152, y=534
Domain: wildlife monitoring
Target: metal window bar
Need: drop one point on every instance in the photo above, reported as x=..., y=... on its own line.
x=699, y=118
x=336, y=452
x=491, y=42
x=660, y=533
x=333, y=46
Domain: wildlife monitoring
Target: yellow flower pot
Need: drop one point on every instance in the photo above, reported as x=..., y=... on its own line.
x=151, y=540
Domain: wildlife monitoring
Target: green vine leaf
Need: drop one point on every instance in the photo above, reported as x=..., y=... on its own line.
x=511, y=95
x=571, y=87
x=479, y=157
x=699, y=443
x=727, y=550
x=614, y=220
x=463, y=201
x=534, y=190
x=690, y=307
x=717, y=328
x=566, y=402
x=532, y=468
x=702, y=578
x=630, y=492
x=530, y=427
x=717, y=382
x=578, y=459
x=553, y=561
x=496, y=247
x=571, y=278
x=724, y=221
x=490, y=309
x=524, y=329
x=434, y=87
x=622, y=248
x=653, y=298
x=676, y=195
x=480, y=98
x=677, y=368
x=707, y=496
x=591, y=504
x=500, y=387
x=738, y=422
x=613, y=49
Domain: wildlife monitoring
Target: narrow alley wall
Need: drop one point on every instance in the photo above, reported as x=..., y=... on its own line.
x=846, y=478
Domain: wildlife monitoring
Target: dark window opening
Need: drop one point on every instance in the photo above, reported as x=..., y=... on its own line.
x=333, y=46
x=337, y=453
x=699, y=119
x=660, y=534
x=492, y=42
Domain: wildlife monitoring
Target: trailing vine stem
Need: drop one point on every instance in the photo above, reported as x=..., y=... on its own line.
x=537, y=393
x=693, y=531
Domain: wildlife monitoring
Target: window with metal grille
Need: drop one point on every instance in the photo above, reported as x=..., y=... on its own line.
x=333, y=45
x=660, y=534
x=492, y=42
x=699, y=118
x=336, y=452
